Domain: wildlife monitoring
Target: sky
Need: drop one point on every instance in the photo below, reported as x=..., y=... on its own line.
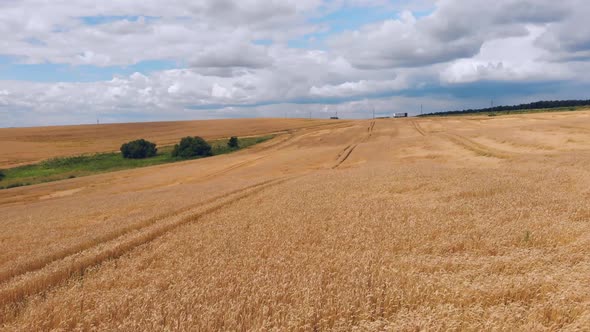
x=73, y=62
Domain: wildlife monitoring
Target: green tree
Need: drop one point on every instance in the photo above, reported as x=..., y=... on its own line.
x=190, y=147
x=233, y=143
x=138, y=149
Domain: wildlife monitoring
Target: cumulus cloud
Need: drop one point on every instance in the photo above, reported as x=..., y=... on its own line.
x=497, y=60
x=126, y=32
x=363, y=87
x=238, y=54
x=568, y=39
x=456, y=29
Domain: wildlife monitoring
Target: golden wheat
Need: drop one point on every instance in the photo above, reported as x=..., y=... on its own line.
x=432, y=224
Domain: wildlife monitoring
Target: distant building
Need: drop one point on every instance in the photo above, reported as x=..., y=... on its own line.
x=400, y=115
x=334, y=118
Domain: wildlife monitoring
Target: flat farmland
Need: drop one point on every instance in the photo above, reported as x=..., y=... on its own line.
x=459, y=223
x=27, y=145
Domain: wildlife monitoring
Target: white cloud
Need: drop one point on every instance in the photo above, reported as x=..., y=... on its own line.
x=498, y=60
x=456, y=29
x=178, y=30
x=359, y=88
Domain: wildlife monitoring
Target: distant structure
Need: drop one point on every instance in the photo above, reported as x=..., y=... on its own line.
x=335, y=117
x=400, y=115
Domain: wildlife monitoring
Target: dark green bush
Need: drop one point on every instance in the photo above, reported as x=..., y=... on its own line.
x=190, y=147
x=2, y=175
x=16, y=185
x=138, y=149
x=233, y=143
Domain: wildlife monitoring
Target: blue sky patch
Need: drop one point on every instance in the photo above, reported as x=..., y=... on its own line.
x=49, y=72
x=352, y=18
x=35, y=42
x=97, y=20
x=345, y=19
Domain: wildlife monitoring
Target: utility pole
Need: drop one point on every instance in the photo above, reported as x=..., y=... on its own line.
x=373, y=112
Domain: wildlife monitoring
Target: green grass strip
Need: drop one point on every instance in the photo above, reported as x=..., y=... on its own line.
x=56, y=169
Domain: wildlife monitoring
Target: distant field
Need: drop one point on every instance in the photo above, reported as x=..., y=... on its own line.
x=27, y=145
x=60, y=168
x=419, y=224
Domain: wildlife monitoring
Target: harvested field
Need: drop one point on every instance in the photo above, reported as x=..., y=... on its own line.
x=397, y=224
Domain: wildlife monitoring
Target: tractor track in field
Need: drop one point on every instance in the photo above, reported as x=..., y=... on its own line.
x=44, y=274
x=395, y=131
x=273, y=147
x=292, y=136
x=418, y=128
x=370, y=129
x=233, y=167
x=287, y=138
x=344, y=154
x=276, y=146
x=475, y=147
x=39, y=263
x=580, y=129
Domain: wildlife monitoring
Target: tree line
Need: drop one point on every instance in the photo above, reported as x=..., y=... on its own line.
x=545, y=104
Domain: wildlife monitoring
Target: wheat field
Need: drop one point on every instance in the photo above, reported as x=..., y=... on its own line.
x=460, y=224
x=21, y=146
